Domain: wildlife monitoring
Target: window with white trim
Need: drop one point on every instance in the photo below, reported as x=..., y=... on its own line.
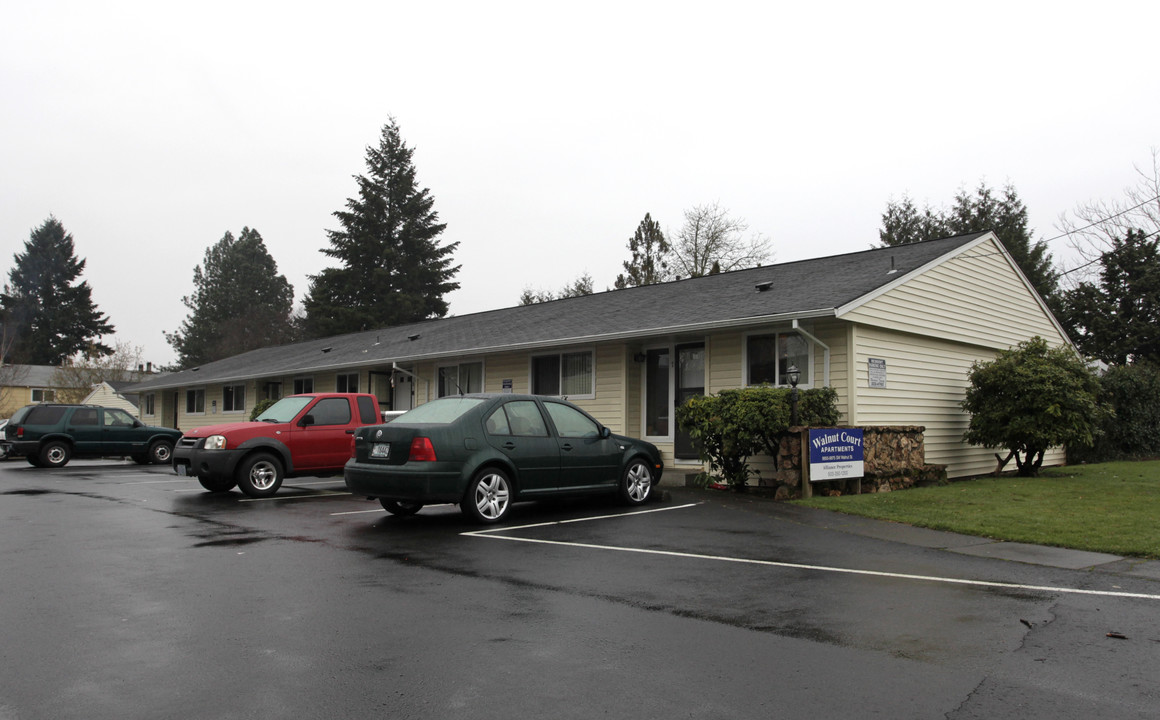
x=149, y=405
x=195, y=401
x=43, y=395
x=460, y=379
x=346, y=383
x=234, y=398
x=768, y=358
x=566, y=374
x=303, y=385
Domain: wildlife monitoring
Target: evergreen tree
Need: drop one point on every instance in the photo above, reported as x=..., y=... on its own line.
x=51, y=315
x=393, y=269
x=902, y=223
x=239, y=302
x=648, y=264
x=1117, y=318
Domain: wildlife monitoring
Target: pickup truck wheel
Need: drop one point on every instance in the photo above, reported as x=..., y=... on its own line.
x=55, y=454
x=216, y=485
x=160, y=452
x=402, y=509
x=489, y=496
x=260, y=475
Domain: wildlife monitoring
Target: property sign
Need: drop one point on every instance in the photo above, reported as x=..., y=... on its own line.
x=835, y=454
x=877, y=368
x=507, y=385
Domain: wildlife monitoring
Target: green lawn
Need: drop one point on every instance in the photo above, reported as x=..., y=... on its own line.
x=1111, y=507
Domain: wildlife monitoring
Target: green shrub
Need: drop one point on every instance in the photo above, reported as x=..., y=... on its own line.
x=1133, y=392
x=734, y=425
x=260, y=407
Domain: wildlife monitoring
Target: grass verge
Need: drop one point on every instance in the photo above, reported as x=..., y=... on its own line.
x=1109, y=507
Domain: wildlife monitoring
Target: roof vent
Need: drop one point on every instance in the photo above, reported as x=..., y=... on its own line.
x=892, y=269
x=414, y=337
x=763, y=286
x=327, y=349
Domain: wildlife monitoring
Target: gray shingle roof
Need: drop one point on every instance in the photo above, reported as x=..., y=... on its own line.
x=805, y=288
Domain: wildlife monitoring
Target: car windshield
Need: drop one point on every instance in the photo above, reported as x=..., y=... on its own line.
x=439, y=412
x=284, y=410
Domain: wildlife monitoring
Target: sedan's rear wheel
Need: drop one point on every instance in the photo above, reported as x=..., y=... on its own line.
x=260, y=475
x=636, y=485
x=489, y=496
x=402, y=509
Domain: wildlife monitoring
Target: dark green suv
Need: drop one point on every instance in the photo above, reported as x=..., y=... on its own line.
x=49, y=435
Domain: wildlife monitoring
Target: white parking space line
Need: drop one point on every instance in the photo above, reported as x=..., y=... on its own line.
x=155, y=482
x=294, y=497
x=320, y=482
x=494, y=535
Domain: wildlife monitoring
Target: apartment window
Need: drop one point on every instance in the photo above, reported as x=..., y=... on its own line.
x=303, y=385
x=567, y=374
x=149, y=406
x=460, y=379
x=43, y=395
x=195, y=401
x=234, y=398
x=346, y=383
x=769, y=357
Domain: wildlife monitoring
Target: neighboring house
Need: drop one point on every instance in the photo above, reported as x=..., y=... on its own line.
x=22, y=385
x=893, y=330
x=109, y=394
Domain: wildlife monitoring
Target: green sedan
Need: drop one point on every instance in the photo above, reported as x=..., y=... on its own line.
x=488, y=451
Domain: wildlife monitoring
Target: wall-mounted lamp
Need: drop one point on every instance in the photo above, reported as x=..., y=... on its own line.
x=213, y=407
x=639, y=357
x=793, y=375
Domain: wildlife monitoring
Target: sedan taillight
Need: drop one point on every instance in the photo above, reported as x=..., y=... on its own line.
x=422, y=450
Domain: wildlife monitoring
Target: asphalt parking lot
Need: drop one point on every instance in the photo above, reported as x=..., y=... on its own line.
x=130, y=593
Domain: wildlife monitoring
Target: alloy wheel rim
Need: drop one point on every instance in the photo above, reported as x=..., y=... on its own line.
x=639, y=481
x=491, y=497
x=262, y=476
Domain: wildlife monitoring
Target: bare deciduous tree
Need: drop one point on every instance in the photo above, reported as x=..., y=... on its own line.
x=1096, y=227
x=77, y=377
x=711, y=241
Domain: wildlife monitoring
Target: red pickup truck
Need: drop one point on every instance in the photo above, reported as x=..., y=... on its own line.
x=298, y=435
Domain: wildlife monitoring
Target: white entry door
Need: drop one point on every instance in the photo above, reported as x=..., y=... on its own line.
x=403, y=392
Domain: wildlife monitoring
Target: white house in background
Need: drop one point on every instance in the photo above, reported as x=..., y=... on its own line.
x=893, y=330
x=108, y=394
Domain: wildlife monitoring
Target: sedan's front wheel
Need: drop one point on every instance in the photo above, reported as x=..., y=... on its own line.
x=636, y=485
x=489, y=496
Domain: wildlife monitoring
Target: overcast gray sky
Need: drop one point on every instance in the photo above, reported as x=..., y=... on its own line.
x=545, y=131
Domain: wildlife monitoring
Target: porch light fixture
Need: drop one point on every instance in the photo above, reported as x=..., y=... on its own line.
x=639, y=357
x=793, y=375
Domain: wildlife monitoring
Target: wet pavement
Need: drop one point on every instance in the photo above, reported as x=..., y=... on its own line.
x=129, y=593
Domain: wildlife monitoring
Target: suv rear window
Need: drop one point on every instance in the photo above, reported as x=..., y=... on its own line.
x=46, y=415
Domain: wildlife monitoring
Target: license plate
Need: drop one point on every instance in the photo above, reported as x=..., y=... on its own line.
x=182, y=470
x=381, y=450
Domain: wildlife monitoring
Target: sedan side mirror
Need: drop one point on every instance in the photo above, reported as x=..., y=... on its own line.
x=605, y=433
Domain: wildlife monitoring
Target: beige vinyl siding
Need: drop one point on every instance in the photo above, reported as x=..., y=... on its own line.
x=105, y=396
x=976, y=298
x=926, y=379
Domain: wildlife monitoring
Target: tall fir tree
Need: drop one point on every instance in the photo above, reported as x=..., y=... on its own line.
x=394, y=270
x=1117, y=317
x=51, y=314
x=239, y=302
x=902, y=223
x=648, y=263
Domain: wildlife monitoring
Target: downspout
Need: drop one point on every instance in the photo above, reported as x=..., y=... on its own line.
x=825, y=351
x=395, y=368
